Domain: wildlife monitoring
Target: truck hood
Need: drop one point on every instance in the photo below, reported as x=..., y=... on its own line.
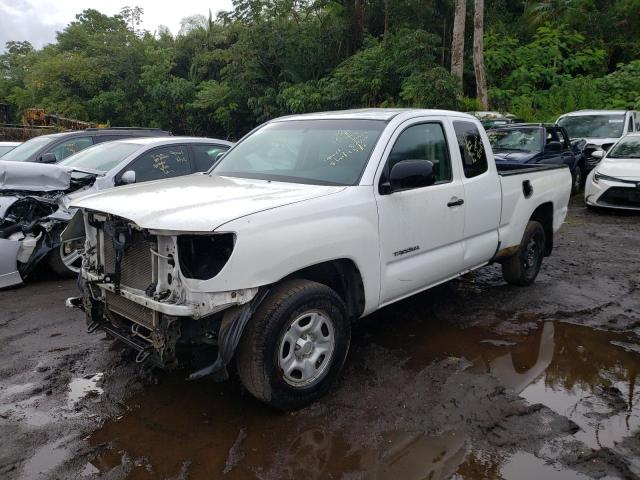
x=197, y=203
x=510, y=156
x=620, y=168
x=598, y=141
x=36, y=177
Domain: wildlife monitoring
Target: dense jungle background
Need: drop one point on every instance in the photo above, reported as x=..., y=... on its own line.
x=222, y=75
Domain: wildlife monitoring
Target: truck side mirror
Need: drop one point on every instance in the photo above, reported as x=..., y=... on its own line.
x=408, y=174
x=48, y=158
x=127, y=178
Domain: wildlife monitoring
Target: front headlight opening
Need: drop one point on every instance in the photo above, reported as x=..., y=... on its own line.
x=202, y=257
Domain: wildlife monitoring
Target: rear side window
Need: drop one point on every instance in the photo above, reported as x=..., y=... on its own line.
x=474, y=157
x=204, y=155
x=165, y=162
x=71, y=146
x=630, y=124
x=425, y=141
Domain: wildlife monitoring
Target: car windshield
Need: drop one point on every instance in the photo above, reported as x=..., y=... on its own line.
x=5, y=148
x=518, y=139
x=628, y=147
x=24, y=151
x=593, y=126
x=102, y=157
x=319, y=152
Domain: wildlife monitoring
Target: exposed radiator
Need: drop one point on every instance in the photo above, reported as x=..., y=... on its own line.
x=136, y=267
x=130, y=310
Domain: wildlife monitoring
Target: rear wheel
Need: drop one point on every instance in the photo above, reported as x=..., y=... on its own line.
x=295, y=345
x=523, y=267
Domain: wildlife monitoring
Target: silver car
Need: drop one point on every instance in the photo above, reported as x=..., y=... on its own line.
x=35, y=197
x=6, y=147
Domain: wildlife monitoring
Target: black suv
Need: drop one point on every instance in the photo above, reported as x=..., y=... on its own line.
x=57, y=146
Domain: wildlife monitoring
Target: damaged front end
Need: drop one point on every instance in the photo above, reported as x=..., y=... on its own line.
x=29, y=230
x=33, y=214
x=134, y=287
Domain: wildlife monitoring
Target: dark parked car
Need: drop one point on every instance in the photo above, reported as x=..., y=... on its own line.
x=58, y=146
x=536, y=143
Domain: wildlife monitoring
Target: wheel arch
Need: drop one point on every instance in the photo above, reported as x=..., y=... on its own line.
x=544, y=215
x=341, y=275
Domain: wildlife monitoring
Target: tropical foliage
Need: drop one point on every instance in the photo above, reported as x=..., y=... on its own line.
x=223, y=75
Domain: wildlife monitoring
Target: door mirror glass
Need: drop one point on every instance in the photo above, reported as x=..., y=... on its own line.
x=554, y=146
x=48, y=158
x=411, y=174
x=127, y=178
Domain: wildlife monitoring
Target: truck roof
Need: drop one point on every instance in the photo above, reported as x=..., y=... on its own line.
x=592, y=112
x=383, y=114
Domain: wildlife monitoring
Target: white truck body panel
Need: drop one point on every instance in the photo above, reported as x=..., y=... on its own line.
x=281, y=228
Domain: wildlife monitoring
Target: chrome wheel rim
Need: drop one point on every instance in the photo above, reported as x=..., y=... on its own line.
x=71, y=260
x=306, y=349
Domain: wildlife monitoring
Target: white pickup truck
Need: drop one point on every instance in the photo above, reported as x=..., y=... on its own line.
x=308, y=223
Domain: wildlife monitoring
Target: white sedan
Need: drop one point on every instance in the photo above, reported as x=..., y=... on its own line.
x=615, y=181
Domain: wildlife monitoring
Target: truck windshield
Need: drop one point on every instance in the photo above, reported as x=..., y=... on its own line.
x=593, y=126
x=319, y=152
x=518, y=139
x=628, y=147
x=23, y=152
x=102, y=157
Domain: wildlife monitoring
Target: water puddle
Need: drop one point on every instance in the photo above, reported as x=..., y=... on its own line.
x=210, y=429
x=46, y=459
x=82, y=387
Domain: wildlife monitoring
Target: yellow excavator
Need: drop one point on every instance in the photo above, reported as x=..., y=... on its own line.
x=36, y=121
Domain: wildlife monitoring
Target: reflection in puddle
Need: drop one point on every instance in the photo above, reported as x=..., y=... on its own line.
x=214, y=428
x=525, y=466
x=46, y=459
x=81, y=387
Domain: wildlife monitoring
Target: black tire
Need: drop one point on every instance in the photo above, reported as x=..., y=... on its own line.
x=523, y=267
x=257, y=355
x=57, y=266
x=576, y=180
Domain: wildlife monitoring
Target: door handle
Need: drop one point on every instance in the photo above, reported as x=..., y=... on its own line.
x=455, y=202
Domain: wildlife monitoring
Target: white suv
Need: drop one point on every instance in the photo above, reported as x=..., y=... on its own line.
x=599, y=129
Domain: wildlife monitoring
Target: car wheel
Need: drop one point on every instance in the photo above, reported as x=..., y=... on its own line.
x=523, y=267
x=295, y=345
x=576, y=184
x=64, y=265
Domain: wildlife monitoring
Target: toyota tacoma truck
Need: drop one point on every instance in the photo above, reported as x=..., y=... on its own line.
x=309, y=223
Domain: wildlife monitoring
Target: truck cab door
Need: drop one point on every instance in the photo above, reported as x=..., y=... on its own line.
x=482, y=191
x=420, y=228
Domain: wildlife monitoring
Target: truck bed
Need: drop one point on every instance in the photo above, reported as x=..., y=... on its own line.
x=525, y=188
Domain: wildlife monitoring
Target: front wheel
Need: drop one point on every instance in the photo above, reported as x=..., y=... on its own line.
x=63, y=263
x=523, y=267
x=295, y=345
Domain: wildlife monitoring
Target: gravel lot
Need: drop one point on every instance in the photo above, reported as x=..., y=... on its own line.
x=474, y=379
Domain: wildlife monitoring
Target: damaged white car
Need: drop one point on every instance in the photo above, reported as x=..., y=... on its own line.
x=35, y=197
x=308, y=223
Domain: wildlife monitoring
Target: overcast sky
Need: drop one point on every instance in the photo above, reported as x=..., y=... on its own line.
x=38, y=20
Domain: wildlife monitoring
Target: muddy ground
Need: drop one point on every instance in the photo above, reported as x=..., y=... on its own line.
x=474, y=379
